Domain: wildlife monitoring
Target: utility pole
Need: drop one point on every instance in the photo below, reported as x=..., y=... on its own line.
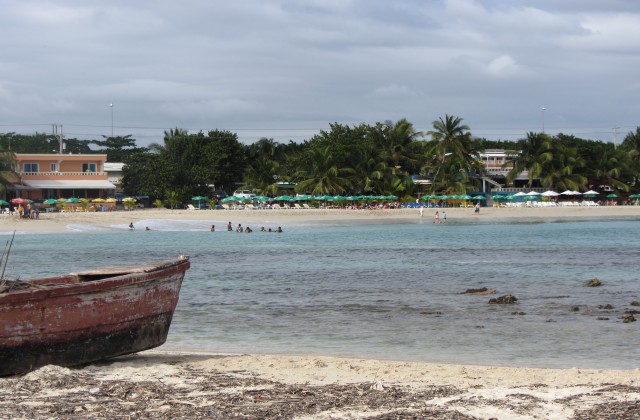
x=615, y=137
x=57, y=132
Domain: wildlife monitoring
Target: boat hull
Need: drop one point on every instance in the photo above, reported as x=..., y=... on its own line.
x=88, y=316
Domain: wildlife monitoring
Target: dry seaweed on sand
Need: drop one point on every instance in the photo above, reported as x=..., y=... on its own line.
x=59, y=392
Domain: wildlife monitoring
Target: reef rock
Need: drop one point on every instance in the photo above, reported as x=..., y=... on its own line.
x=504, y=300
x=593, y=283
x=481, y=291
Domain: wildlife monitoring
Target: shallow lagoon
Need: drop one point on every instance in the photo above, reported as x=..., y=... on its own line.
x=384, y=289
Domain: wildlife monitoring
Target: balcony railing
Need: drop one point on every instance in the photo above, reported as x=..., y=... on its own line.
x=88, y=174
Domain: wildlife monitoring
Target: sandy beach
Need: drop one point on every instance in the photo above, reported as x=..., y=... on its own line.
x=157, y=384
x=64, y=222
x=163, y=384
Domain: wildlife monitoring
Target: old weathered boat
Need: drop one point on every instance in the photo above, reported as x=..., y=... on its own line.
x=87, y=316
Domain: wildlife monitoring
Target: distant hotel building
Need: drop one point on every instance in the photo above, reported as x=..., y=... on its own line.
x=43, y=176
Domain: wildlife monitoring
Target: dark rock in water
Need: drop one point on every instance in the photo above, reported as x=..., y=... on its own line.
x=635, y=303
x=631, y=312
x=518, y=313
x=504, y=300
x=575, y=308
x=481, y=291
x=602, y=318
x=628, y=318
x=593, y=283
x=607, y=306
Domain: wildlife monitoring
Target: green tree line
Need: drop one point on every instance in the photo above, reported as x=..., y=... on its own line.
x=383, y=158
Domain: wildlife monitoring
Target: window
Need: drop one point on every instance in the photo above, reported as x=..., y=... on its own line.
x=31, y=167
x=54, y=167
x=88, y=167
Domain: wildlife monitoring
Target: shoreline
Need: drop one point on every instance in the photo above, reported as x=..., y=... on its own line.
x=64, y=222
x=166, y=384
x=183, y=383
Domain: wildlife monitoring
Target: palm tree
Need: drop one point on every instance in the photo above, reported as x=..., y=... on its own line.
x=631, y=145
x=396, y=142
x=322, y=176
x=7, y=173
x=535, y=152
x=559, y=172
x=261, y=175
x=450, y=141
x=610, y=167
x=370, y=171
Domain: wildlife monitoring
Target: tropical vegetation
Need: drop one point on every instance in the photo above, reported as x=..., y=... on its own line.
x=387, y=158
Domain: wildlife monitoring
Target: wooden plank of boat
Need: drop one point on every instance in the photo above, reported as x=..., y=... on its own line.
x=88, y=316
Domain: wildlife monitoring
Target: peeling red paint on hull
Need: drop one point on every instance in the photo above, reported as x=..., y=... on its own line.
x=88, y=316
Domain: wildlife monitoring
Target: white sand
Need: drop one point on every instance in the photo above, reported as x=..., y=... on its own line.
x=60, y=222
x=193, y=379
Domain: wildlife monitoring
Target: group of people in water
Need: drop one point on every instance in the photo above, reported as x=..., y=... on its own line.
x=241, y=229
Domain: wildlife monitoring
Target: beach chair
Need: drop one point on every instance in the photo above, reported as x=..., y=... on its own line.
x=191, y=207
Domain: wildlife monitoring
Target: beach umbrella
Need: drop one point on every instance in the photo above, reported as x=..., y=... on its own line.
x=519, y=194
x=262, y=198
x=98, y=200
x=199, y=198
x=612, y=195
x=591, y=192
x=19, y=200
x=479, y=197
x=72, y=200
x=391, y=197
x=4, y=203
x=532, y=193
x=108, y=200
x=282, y=198
x=339, y=198
x=50, y=201
x=230, y=198
x=550, y=194
x=465, y=197
x=634, y=196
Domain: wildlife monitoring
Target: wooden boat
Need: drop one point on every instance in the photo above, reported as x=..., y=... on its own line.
x=87, y=316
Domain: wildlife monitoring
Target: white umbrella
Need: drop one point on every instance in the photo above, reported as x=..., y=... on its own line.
x=550, y=194
x=567, y=192
x=519, y=194
x=591, y=192
x=533, y=193
x=577, y=193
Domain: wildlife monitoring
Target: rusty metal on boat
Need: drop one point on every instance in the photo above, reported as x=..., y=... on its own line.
x=87, y=316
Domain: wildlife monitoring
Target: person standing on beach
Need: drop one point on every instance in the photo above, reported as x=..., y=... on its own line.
x=421, y=210
x=477, y=211
x=444, y=216
x=436, y=218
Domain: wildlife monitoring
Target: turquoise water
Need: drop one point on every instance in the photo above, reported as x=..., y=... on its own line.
x=387, y=290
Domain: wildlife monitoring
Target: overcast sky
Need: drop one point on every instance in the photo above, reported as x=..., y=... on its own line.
x=287, y=69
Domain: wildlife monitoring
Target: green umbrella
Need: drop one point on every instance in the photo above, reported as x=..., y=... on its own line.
x=72, y=200
x=339, y=198
x=262, y=198
x=612, y=195
x=634, y=196
x=199, y=198
x=230, y=198
x=479, y=197
x=49, y=201
x=464, y=197
x=4, y=203
x=282, y=198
